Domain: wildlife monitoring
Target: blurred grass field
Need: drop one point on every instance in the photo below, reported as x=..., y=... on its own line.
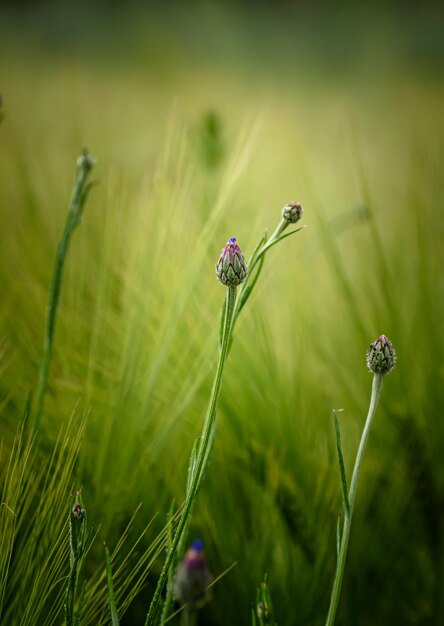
x=204, y=122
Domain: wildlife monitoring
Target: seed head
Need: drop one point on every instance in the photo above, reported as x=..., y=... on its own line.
x=231, y=269
x=292, y=212
x=192, y=577
x=381, y=356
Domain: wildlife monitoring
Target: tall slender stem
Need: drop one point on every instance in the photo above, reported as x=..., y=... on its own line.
x=202, y=455
x=337, y=585
x=75, y=210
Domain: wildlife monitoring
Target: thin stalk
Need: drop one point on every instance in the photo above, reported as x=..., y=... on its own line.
x=283, y=224
x=202, y=456
x=111, y=596
x=78, y=538
x=257, y=258
x=188, y=617
x=337, y=585
x=75, y=210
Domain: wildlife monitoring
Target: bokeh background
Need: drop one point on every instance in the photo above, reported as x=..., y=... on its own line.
x=205, y=118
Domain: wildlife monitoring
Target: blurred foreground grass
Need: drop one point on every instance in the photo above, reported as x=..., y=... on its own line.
x=204, y=124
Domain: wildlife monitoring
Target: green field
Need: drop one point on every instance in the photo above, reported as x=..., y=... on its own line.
x=204, y=121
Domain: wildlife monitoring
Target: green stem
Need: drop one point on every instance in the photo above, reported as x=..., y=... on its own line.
x=337, y=585
x=283, y=224
x=111, y=597
x=75, y=210
x=188, y=617
x=202, y=456
x=78, y=540
x=255, y=258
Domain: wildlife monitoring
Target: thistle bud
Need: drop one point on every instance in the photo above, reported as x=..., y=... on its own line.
x=78, y=512
x=231, y=269
x=192, y=577
x=292, y=212
x=381, y=356
x=85, y=160
x=262, y=612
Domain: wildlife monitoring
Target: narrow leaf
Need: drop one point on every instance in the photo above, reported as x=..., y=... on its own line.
x=192, y=463
x=112, y=601
x=249, y=288
x=222, y=322
x=252, y=259
x=166, y=609
x=338, y=536
x=341, y=465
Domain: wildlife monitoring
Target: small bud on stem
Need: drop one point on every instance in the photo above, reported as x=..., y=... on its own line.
x=381, y=356
x=292, y=212
x=231, y=269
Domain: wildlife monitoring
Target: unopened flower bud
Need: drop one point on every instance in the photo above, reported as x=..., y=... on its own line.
x=262, y=613
x=231, y=269
x=85, y=160
x=78, y=512
x=292, y=212
x=381, y=356
x=192, y=577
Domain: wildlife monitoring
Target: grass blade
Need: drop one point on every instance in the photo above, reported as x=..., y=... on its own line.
x=112, y=601
x=341, y=465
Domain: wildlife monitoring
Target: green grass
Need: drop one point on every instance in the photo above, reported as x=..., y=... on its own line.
x=358, y=139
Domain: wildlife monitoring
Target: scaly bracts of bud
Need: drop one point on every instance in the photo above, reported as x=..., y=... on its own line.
x=231, y=269
x=292, y=212
x=381, y=356
x=77, y=511
x=192, y=577
x=85, y=160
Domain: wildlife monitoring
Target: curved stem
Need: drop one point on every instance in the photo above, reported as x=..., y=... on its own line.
x=283, y=224
x=337, y=585
x=75, y=210
x=202, y=455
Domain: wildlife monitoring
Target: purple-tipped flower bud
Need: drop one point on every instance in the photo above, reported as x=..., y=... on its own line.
x=292, y=212
x=381, y=356
x=192, y=577
x=231, y=269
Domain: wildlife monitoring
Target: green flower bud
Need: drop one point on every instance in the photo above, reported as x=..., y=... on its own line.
x=231, y=269
x=262, y=613
x=292, y=212
x=85, y=160
x=381, y=356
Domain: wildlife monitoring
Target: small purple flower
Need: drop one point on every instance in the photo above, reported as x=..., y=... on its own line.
x=381, y=356
x=192, y=577
x=231, y=269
